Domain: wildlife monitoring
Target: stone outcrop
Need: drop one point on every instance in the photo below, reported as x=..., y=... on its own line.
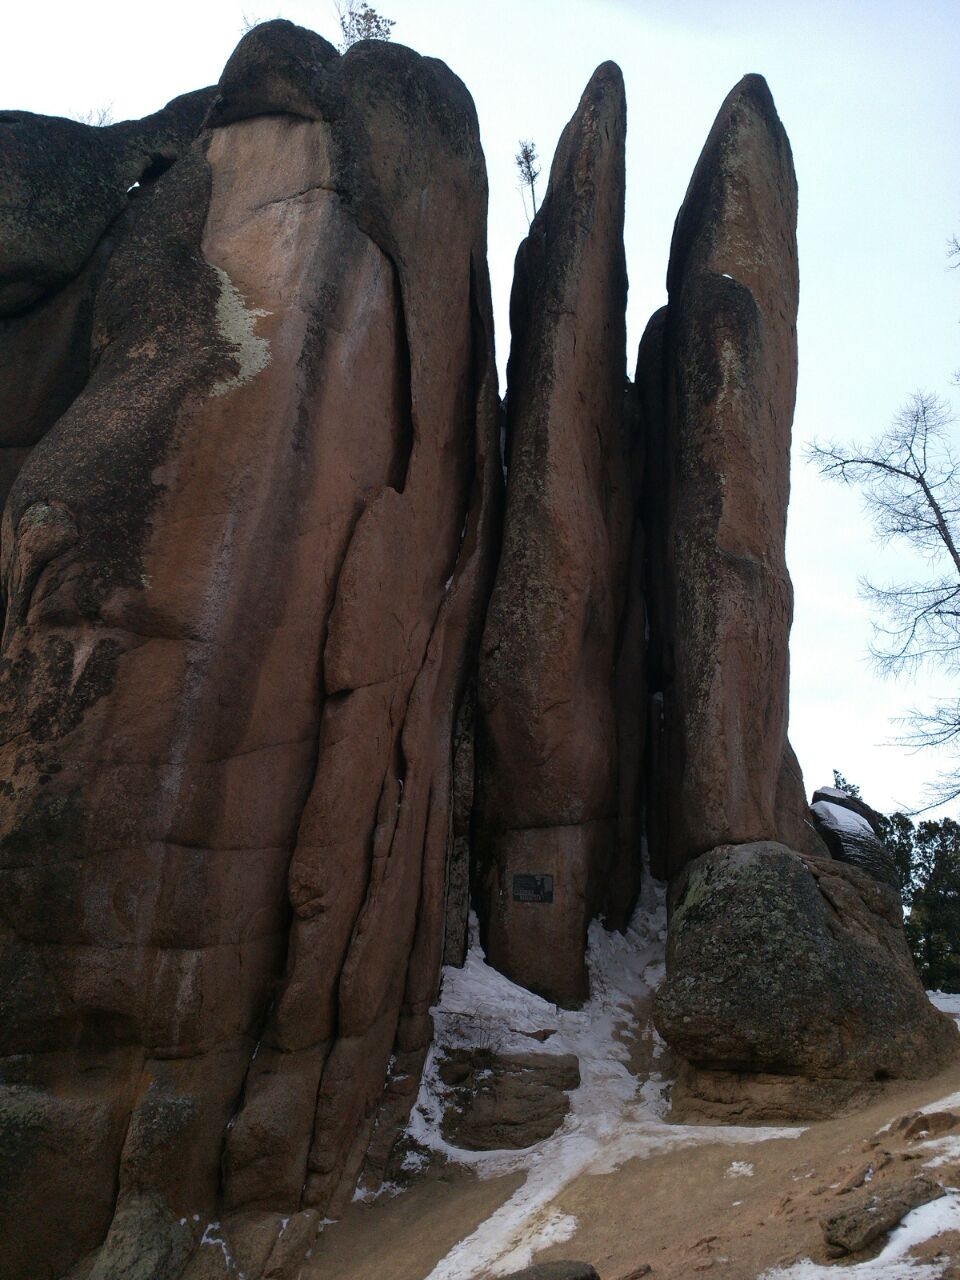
x=244, y=575
x=63, y=185
x=499, y=1102
x=789, y=981
x=787, y=965
x=284, y=689
x=717, y=373
x=548, y=807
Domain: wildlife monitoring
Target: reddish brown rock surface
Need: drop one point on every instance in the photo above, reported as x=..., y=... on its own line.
x=721, y=384
x=253, y=747
x=244, y=575
x=548, y=772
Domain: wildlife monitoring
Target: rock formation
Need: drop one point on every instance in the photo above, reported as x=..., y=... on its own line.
x=282, y=684
x=791, y=971
x=874, y=1212
x=548, y=775
x=62, y=186
x=244, y=575
x=852, y=832
x=717, y=372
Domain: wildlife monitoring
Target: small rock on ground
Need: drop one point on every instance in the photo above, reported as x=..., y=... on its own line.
x=858, y=1225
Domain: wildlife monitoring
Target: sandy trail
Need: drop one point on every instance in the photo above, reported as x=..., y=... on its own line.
x=682, y=1212
x=618, y=1185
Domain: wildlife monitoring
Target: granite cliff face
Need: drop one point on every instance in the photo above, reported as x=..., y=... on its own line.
x=244, y=575
x=281, y=679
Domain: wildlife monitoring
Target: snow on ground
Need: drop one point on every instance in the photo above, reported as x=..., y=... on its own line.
x=947, y=1002
x=945, y=1149
x=917, y=1227
x=892, y=1264
x=614, y=1116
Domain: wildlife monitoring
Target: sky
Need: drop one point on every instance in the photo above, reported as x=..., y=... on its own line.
x=869, y=94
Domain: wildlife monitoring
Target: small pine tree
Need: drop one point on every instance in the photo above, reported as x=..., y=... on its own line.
x=526, y=162
x=840, y=782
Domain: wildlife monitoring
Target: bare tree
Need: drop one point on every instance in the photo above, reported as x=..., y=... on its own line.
x=910, y=481
x=360, y=21
x=99, y=117
x=526, y=162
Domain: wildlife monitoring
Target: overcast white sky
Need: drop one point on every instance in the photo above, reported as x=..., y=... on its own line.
x=870, y=96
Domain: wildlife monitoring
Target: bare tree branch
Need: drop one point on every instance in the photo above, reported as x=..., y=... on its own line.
x=910, y=482
x=360, y=21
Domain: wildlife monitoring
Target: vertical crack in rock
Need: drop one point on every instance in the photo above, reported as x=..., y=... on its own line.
x=405, y=432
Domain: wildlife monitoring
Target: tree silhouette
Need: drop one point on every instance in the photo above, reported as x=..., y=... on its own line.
x=910, y=481
x=360, y=21
x=526, y=161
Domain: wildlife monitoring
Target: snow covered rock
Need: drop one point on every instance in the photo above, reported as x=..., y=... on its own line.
x=850, y=829
x=779, y=964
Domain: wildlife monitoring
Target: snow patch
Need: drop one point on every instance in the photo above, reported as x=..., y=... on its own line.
x=543, y=1230
x=946, y=1002
x=613, y=1117
x=740, y=1169
x=238, y=325
x=945, y=1150
x=210, y=1237
x=925, y=1223
x=845, y=821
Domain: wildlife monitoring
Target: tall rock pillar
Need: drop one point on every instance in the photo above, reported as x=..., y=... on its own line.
x=718, y=374
x=547, y=820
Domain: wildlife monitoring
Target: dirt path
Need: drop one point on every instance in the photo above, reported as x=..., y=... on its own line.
x=688, y=1212
x=617, y=1185
x=733, y=1210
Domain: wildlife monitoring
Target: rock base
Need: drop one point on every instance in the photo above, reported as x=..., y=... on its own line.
x=743, y=1097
